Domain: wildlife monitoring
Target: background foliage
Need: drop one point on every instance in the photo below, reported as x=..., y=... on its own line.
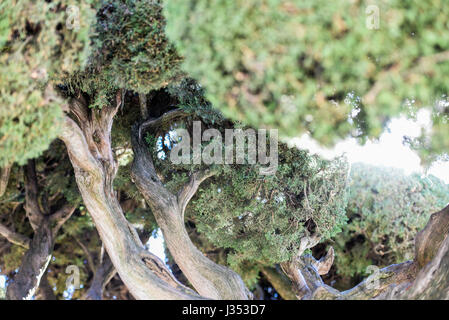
x=317, y=66
x=35, y=47
x=386, y=209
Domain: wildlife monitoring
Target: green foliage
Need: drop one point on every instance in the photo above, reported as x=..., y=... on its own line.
x=315, y=65
x=263, y=218
x=130, y=51
x=259, y=220
x=35, y=47
x=386, y=209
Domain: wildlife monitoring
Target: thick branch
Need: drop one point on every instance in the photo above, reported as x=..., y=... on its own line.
x=380, y=281
x=280, y=283
x=188, y=191
x=61, y=216
x=34, y=264
x=143, y=106
x=163, y=120
x=15, y=238
x=432, y=282
x=429, y=240
x=104, y=273
x=94, y=175
x=45, y=291
x=426, y=277
x=208, y=278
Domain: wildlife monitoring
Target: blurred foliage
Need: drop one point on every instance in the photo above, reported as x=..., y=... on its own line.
x=316, y=66
x=386, y=209
x=36, y=46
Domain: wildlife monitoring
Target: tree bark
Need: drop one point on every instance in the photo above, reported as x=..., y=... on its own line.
x=45, y=291
x=208, y=278
x=4, y=178
x=34, y=265
x=88, y=144
x=432, y=256
x=35, y=261
x=426, y=277
x=14, y=237
x=280, y=283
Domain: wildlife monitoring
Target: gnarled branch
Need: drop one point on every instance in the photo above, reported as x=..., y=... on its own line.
x=33, y=210
x=188, y=190
x=427, y=276
x=208, y=278
x=95, y=170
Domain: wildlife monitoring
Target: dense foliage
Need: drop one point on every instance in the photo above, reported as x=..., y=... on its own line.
x=318, y=66
x=386, y=208
x=129, y=51
x=39, y=41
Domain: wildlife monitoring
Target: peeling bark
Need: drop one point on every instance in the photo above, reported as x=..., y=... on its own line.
x=208, y=278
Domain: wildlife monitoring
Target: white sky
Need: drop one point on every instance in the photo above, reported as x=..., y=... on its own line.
x=388, y=151
x=156, y=245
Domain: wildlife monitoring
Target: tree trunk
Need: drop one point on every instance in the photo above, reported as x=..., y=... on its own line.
x=89, y=147
x=104, y=273
x=426, y=277
x=208, y=278
x=34, y=265
x=45, y=291
x=35, y=261
x=4, y=178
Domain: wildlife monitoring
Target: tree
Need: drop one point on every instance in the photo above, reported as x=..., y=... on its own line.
x=116, y=97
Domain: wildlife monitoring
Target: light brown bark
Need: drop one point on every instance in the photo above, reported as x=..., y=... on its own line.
x=88, y=143
x=4, y=178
